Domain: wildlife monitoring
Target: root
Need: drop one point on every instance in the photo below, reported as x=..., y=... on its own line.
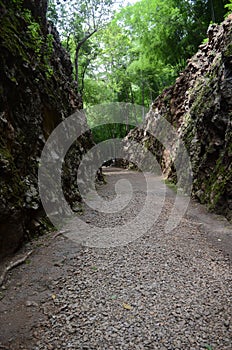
x=11, y=266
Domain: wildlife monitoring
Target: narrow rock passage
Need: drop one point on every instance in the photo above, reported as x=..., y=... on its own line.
x=159, y=291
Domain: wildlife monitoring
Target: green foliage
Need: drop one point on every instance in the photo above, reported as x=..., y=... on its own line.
x=18, y=3
x=171, y=185
x=113, y=120
x=229, y=7
x=208, y=347
x=35, y=34
x=35, y=39
x=47, y=55
x=96, y=91
x=52, y=12
x=26, y=14
x=143, y=49
x=78, y=21
x=110, y=131
x=140, y=52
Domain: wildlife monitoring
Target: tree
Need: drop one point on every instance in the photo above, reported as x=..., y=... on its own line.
x=77, y=22
x=140, y=51
x=165, y=33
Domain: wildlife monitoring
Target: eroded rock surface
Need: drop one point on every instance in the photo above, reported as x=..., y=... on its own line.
x=199, y=106
x=37, y=93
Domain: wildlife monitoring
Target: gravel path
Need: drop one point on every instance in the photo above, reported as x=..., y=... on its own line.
x=160, y=291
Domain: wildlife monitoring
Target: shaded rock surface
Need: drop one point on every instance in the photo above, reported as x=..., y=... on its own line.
x=199, y=106
x=36, y=93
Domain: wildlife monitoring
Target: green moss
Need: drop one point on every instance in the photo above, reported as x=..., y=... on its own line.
x=11, y=40
x=202, y=91
x=147, y=143
x=22, y=36
x=201, y=102
x=171, y=185
x=228, y=51
x=215, y=186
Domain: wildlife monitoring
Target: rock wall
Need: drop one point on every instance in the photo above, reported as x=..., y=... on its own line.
x=199, y=106
x=36, y=94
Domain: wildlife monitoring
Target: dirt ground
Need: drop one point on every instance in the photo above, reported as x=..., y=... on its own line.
x=29, y=294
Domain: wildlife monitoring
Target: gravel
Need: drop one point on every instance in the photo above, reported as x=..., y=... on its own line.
x=161, y=291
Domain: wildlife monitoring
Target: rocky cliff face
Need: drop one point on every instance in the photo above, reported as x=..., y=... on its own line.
x=199, y=106
x=37, y=93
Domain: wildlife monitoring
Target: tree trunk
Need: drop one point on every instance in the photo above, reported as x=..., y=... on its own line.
x=143, y=99
x=83, y=77
x=79, y=45
x=212, y=11
x=77, y=66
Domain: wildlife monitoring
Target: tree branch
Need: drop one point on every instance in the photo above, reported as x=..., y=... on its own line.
x=77, y=53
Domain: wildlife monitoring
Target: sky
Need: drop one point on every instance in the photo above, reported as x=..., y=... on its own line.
x=124, y=3
x=130, y=1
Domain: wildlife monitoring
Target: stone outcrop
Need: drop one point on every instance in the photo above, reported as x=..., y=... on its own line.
x=37, y=93
x=199, y=106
